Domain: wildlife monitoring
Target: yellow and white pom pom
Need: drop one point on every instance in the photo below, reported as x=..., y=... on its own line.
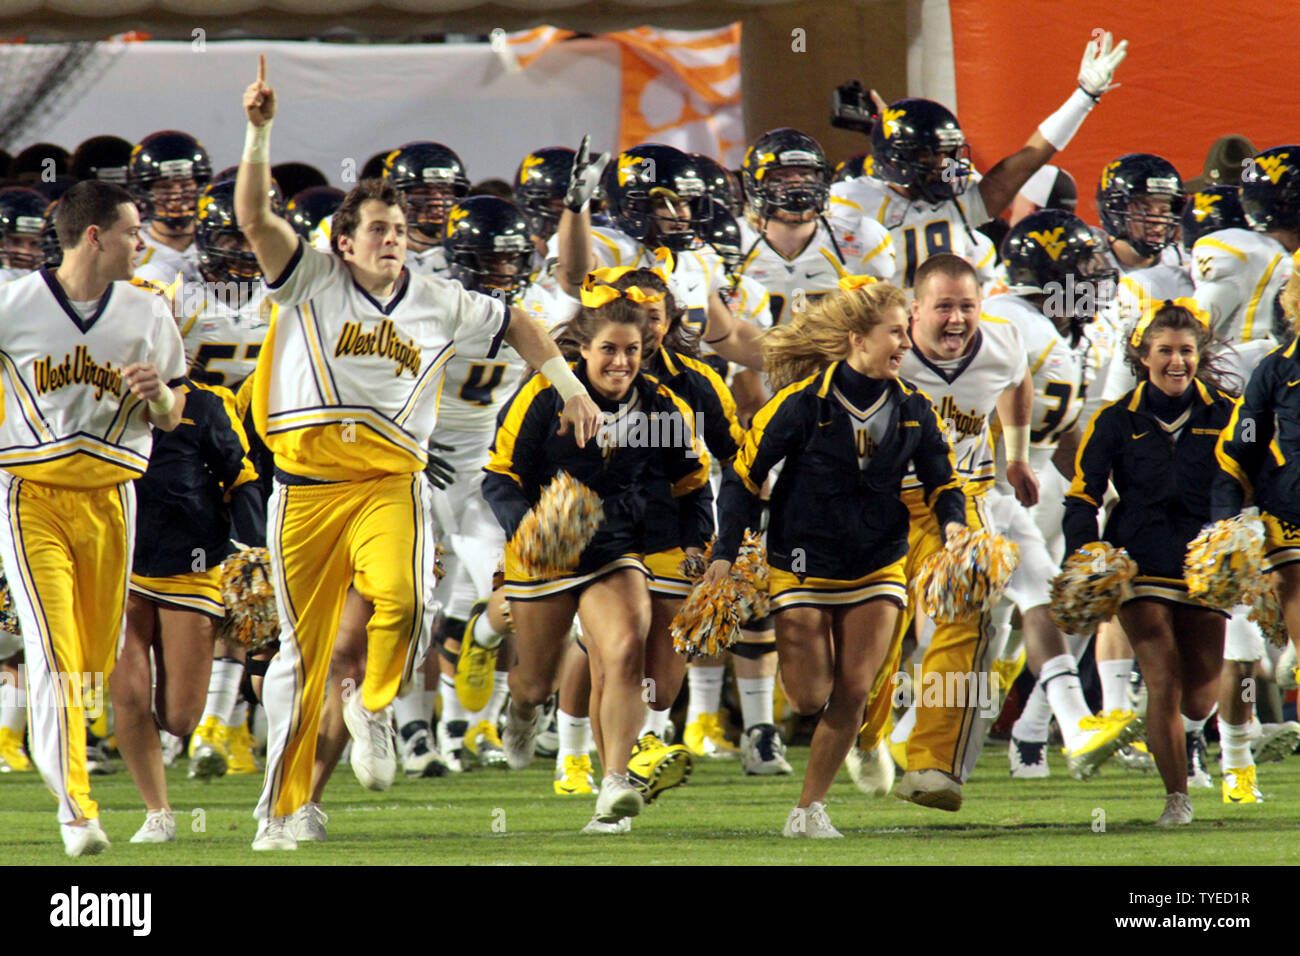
x=439, y=568
x=8, y=614
x=1225, y=559
x=1093, y=583
x=251, y=617
x=709, y=620
x=1266, y=609
x=966, y=577
x=551, y=538
x=693, y=566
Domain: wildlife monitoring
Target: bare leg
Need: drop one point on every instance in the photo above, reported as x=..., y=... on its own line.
x=615, y=614
x=347, y=671
x=131, y=686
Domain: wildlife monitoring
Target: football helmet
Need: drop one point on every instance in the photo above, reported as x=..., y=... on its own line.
x=1270, y=189
x=1130, y=198
x=1209, y=210
x=918, y=144
x=218, y=238
x=1054, y=253
x=654, y=175
x=540, y=184
x=488, y=246
x=853, y=168
x=719, y=183
x=22, y=223
x=310, y=207
x=432, y=177
x=171, y=157
x=50, y=240
x=102, y=157
x=767, y=191
x=722, y=232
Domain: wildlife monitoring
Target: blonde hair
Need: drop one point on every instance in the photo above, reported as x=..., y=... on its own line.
x=819, y=335
x=1291, y=301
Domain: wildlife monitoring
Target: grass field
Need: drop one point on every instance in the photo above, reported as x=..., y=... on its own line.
x=721, y=817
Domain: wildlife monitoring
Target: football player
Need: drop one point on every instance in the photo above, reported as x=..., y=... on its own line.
x=309, y=213
x=101, y=157
x=432, y=178
x=167, y=171
x=22, y=227
x=539, y=187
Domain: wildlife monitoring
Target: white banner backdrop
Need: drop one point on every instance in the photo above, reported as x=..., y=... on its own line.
x=339, y=103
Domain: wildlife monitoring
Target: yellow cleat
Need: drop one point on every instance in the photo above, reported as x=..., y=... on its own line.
x=483, y=743
x=704, y=738
x=240, y=758
x=655, y=767
x=1007, y=672
x=12, y=755
x=574, y=777
x=208, y=750
x=476, y=666
x=1107, y=733
x=1239, y=786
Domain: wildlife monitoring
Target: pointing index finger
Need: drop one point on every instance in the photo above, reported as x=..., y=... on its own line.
x=261, y=68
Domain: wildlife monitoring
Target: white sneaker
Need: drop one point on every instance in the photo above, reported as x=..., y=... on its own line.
x=308, y=824
x=172, y=748
x=373, y=760
x=85, y=840
x=419, y=758
x=274, y=833
x=520, y=737
x=1028, y=759
x=1275, y=742
x=811, y=822
x=1178, y=811
x=872, y=771
x=452, y=748
x=762, y=751
x=930, y=788
x=617, y=799
x=597, y=827
x=159, y=827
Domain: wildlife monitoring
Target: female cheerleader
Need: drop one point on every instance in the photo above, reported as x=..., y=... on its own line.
x=847, y=428
x=608, y=587
x=1156, y=444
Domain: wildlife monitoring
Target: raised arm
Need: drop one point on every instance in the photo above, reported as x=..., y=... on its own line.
x=573, y=235
x=272, y=239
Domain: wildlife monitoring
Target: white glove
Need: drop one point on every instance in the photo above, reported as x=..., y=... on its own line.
x=585, y=178
x=1099, y=63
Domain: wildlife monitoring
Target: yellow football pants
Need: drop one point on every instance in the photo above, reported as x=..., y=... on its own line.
x=67, y=555
x=944, y=737
x=374, y=535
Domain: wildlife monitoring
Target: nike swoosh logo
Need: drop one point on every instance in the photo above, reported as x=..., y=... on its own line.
x=1293, y=384
x=1136, y=437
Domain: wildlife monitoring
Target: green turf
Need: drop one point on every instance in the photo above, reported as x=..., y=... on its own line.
x=721, y=817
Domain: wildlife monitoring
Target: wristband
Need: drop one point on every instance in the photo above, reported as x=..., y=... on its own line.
x=161, y=407
x=1015, y=438
x=257, y=143
x=559, y=374
x=1059, y=128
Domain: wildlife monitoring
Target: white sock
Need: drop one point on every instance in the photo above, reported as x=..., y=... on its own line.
x=575, y=736
x=706, y=690
x=1060, y=677
x=223, y=687
x=1114, y=683
x=409, y=708
x=656, y=722
x=1234, y=742
x=1192, y=726
x=756, y=699
x=485, y=635
x=238, y=713
x=903, y=729
x=1035, y=720
x=452, y=709
x=497, y=700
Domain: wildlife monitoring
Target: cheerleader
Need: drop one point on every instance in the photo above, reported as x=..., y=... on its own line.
x=847, y=427
x=1156, y=443
x=608, y=587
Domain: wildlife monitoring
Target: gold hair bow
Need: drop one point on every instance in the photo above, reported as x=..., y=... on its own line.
x=849, y=283
x=598, y=289
x=1183, y=302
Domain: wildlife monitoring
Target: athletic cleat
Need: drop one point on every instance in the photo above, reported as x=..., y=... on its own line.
x=275, y=833
x=12, y=755
x=655, y=767
x=1007, y=672
x=1178, y=811
x=705, y=738
x=87, y=840
x=484, y=745
x=159, y=827
x=618, y=798
x=98, y=762
x=1135, y=756
x=1198, y=775
x=1107, y=733
x=1275, y=742
x=308, y=824
x=548, y=741
x=451, y=746
x=207, y=750
x=172, y=748
x=419, y=759
x=597, y=827
x=1239, y=786
x=1137, y=692
x=476, y=666
x=762, y=752
x=930, y=788
x=240, y=758
x=520, y=738
x=811, y=822
x=1028, y=759
x=574, y=777
x=872, y=771
x=373, y=760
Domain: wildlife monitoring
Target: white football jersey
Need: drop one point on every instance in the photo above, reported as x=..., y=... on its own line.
x=1138, y=289
x=347, y=387
x=749, y=300
x=8, y=274
x=919, y=229
x=430, y=262
x=966, y=395
x=69, y=418
x=155, y=253
x=833, y=251
x=1238, y=275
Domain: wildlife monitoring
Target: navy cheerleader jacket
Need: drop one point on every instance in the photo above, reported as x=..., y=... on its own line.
x=829, y=515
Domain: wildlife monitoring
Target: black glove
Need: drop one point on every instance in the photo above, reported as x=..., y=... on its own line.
x=440, y=471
